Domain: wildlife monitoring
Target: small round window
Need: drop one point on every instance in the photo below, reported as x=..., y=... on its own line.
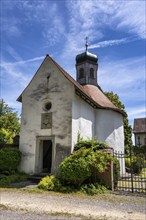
x=48, y=105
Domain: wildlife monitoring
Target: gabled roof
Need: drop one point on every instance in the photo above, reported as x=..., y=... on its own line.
x=139, y=125
x=90, y=93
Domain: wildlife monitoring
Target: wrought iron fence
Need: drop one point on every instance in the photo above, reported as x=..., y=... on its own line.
x=132, y=172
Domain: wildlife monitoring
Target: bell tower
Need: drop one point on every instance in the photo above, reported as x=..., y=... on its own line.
x=86, y=67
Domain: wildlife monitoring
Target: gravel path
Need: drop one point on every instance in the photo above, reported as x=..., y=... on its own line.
x=21, y=215
x=113, y=207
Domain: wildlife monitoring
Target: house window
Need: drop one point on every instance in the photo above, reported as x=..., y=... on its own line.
x=138, y=141
x=92, y=73
x=81, y=73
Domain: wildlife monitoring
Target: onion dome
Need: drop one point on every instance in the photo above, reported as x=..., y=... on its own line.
x=86, y=56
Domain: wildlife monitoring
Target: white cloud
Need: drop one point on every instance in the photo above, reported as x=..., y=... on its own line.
x=12, y=52
x=3, y=64
x=44, y=14
x=47, y=15
x=38, y=11
x=112, y=42
x=122, y=73
x=137, y=112
x=13, y=74
x=133, y=17
x=126, y=78
x=15, y=77
x=11, y=27
x=91, y=18
x=88, y=18
x=55, y=32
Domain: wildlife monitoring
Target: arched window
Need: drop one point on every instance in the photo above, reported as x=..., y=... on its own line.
x=81, y=73
x=92, y=73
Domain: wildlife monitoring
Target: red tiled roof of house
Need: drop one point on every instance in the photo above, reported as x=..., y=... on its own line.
x=91, y=94
x=139, y=125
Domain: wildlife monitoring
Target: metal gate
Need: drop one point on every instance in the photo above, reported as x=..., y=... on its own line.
x=132, y=173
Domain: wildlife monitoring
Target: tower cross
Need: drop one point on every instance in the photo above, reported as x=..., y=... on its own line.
x=86, y=45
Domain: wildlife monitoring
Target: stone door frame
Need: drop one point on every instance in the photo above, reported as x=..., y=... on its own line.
x=39, y=152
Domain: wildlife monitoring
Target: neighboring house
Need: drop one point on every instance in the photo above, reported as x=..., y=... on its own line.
x=55, y=108
x=139, y=130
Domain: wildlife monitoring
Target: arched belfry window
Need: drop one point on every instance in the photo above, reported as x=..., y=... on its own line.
x=92, y=73
x=81, y=73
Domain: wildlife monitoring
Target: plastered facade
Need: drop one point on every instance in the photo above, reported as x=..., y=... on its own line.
x=39, y=91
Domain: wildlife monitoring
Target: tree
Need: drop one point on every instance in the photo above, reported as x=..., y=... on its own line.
x=9, y=123
x=127, y=128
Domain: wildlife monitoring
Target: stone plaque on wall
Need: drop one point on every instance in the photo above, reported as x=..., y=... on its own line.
x=46, y=120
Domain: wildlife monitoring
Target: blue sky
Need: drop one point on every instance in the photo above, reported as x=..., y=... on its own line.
x=116, y=30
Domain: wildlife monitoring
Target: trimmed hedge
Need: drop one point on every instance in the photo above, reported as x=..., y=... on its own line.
x=9, y=159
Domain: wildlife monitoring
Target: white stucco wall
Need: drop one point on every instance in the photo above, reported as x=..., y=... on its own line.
x=104, y=125
x=109, y=128
x=33, y=99
x=83, y=120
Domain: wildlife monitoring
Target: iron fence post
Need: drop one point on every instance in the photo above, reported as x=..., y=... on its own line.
x=131, y=169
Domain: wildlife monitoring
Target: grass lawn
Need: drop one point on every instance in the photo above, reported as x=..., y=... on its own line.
x=139, y=182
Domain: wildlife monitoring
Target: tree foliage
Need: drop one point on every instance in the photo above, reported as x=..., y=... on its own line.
x=9, y=124
x=9, y=159
x=127, y=128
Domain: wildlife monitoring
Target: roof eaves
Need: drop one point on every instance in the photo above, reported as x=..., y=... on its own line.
x=94, y=104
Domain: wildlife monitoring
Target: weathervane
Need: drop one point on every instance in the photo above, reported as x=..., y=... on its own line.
x=86, y=45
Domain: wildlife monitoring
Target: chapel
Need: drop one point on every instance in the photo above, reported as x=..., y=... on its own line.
x=56, y=108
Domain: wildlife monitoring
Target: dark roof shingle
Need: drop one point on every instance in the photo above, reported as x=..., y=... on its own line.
x=139, y=125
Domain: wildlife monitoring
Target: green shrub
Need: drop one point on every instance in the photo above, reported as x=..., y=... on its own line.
x=139, y=150
x=96, y=145
x=127, y=162
x=75, y=169
x=92, y=189
x=116, y=171
x=136, y=163
x=50, y=183
x=84, y=164
x=9, y=159
x=5, y=180
x=68, y=188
